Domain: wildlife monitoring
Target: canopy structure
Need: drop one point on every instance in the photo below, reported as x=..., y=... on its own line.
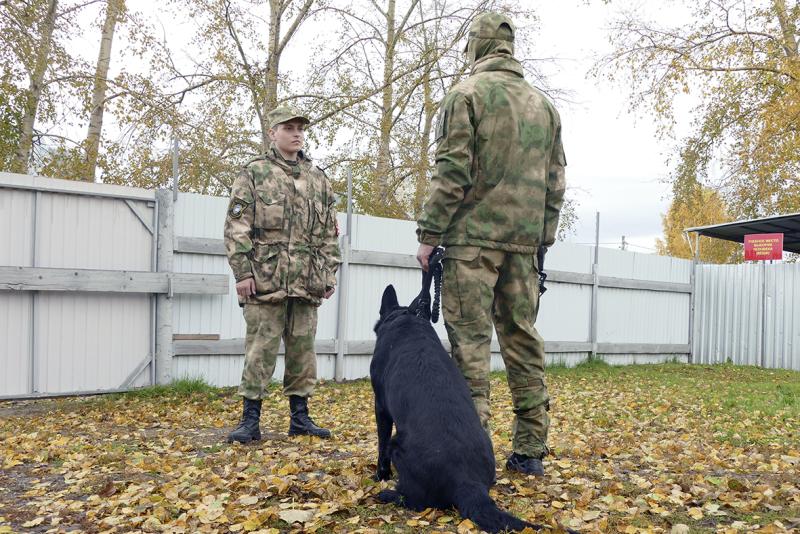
x=788, y=225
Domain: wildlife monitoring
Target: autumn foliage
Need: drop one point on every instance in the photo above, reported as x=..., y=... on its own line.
x=666, y=448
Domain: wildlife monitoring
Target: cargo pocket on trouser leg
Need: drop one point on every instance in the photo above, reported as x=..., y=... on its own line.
x=300, y=370
x=264, y=328
x=466, y=305
x=531, y=422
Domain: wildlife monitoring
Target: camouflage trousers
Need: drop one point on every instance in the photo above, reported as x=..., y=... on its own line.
x=482, y=287
x=294, y=320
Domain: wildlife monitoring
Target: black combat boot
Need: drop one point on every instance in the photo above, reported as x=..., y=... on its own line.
x=248, y=430
x=527, y=465
x=301, y=424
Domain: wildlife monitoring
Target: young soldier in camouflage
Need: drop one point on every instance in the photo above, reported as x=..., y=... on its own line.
x=281, y=241
x=494, y=201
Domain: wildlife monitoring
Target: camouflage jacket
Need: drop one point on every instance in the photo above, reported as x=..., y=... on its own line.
x=499, y=177
x=281, y=229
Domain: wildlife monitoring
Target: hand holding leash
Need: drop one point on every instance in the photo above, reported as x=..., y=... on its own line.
x=423, y=255
x=421, y=305
x=542, y=275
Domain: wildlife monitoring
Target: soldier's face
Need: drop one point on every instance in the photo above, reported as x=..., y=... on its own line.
x=288, y=136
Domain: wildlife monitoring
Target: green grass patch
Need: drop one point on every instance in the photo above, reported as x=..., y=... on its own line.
x=183, y=387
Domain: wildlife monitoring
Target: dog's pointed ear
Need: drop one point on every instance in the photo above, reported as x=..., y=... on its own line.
x=389, y=300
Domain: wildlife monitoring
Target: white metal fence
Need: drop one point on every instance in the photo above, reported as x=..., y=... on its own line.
x=105, y=288
x=642, y=311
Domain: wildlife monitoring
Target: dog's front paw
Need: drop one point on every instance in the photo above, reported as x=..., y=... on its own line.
x=389, y=497
x=382, y=474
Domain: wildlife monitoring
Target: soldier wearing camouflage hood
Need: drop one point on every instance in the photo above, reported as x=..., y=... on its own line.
x=281, y=242
x=495, y=199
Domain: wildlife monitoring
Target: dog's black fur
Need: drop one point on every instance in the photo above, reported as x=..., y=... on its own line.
x=442, y=455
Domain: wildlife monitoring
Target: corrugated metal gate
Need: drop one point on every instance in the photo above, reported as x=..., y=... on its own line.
x=748, y=314
x=82, y=280
x=71, y=341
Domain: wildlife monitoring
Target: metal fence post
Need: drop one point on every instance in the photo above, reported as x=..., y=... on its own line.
x=693, y=296
x=595, y=287
x=33, y=369
x=763, y=314
x=154, y=297
x=165, y=236
x=344, y=283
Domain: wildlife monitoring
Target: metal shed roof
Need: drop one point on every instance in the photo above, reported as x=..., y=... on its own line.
x=788, y=225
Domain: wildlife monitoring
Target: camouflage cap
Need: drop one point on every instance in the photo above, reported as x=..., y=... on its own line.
x=284, y=114
x=489, y=26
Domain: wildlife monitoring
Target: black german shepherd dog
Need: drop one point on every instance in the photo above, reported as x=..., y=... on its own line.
x=442, y=455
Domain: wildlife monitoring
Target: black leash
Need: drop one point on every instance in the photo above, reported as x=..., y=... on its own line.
x=436, y=269
x=421, y=305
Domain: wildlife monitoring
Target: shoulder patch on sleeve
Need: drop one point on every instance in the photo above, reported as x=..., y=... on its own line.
x=237, y=207
x=441, y=124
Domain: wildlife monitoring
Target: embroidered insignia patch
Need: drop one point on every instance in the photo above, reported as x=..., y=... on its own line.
x=237, y=208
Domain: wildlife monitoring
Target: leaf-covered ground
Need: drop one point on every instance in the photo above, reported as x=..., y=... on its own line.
x=636, y=449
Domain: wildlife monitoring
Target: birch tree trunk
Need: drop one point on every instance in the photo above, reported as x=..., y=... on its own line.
x=383, y=196
x=788, y=27
x=92, y=144
x=276, y=8
x=23, y=153
x=429, y=111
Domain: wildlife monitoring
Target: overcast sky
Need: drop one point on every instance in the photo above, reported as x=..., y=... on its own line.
x=616, y=165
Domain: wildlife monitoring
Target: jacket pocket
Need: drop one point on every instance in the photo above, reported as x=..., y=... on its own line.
x=270, y=211
x=319, y=219
x=317, y=276
x=267, y=268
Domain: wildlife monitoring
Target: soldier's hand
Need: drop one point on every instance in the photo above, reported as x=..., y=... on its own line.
x=246, y=287
x=329, y=293
x=423, y=253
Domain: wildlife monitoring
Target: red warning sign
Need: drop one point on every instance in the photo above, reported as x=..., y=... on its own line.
x=759, y=247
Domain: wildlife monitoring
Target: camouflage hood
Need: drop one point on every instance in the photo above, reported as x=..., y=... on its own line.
x=478, y=49
x=495, y=62
x=489, y=34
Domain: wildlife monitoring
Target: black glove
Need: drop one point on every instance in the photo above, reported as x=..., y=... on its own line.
x=542, y=275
